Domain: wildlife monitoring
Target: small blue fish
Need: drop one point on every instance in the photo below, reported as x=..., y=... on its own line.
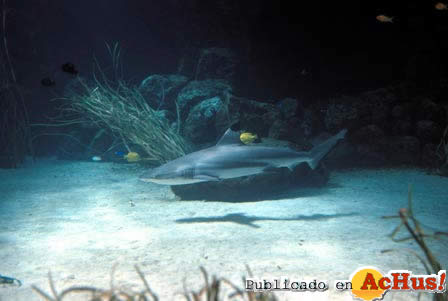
x=10, y=280
x=120, y=153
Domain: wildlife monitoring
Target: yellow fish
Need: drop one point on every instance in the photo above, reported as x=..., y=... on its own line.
x=248, y=138
x=132, y=157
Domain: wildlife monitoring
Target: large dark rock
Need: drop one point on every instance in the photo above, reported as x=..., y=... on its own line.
x=216, y=63
x=288, y=130
x=369, y=134
x=196, y=91
x=199, y=127
x=289, y=108
x=443, y=170
x=404, y=150
x=402, y=111
x=310, y=123
x=401, y=127
x=431, y=156
x=427, y=109
x=375, y=106
x=250, y=115
x=160, y=91
x=341, y=113
x=370, y=143
x=428, y=131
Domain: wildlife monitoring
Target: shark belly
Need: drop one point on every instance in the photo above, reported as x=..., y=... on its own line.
x=238, y=172
x=227, y=170
x=230, y=159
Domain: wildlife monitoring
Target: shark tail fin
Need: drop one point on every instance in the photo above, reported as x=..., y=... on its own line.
x=319, y=151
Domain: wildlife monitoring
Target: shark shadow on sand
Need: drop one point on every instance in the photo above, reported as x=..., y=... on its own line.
x=248, y=220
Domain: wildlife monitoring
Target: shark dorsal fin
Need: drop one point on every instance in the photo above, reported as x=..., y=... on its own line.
x=230, y=137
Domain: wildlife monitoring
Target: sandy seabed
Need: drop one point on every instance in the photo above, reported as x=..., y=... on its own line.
x=79, y=219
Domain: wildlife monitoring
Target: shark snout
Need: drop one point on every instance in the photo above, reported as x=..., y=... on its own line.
x=147, y=176
x=158, y=176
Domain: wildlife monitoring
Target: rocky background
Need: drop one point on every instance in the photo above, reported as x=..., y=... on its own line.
x=287, y=73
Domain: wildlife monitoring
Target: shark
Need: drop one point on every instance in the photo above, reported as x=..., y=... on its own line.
x=230, y=158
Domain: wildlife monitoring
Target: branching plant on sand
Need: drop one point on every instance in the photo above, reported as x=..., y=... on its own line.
x=419, y=234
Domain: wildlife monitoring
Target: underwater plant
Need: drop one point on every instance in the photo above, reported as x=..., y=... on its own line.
x=15, y=138
x=124, y=111
x=415, y=229
x=119, y=107
x=96, y=294
x=211, y=291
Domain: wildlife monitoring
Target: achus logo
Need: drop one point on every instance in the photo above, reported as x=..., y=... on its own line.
x=369, y=283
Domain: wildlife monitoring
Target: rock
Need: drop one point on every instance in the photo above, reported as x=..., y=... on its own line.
x=197, y=91
x=428, y=131
x=160, y=91
x=369, y=156
x=199, y=127
x=370, y=142
x=402, y=128
x=310, y=123
x=278, y=130
x=431, y=157
x=402, y=112
x=287, y=130
x=254, y=124
x=216, y=63
x=429, y=110
x=250, y=115
x=443, y=170
x=288, y=108
x=340, y=114
x=369, y=135
x=404, y=150
x=373, y=107
x=398, y=112
x=343, y=155
x=377, y=105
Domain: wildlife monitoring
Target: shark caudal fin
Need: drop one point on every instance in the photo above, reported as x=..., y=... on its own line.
x=319, y=151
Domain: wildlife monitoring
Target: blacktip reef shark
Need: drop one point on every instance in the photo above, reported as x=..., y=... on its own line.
x=230, y=158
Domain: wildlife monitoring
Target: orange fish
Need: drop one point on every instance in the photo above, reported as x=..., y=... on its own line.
x=441, y=6
x=384, y=19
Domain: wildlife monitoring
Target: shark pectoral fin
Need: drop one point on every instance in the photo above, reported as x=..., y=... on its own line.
x=207, y=178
